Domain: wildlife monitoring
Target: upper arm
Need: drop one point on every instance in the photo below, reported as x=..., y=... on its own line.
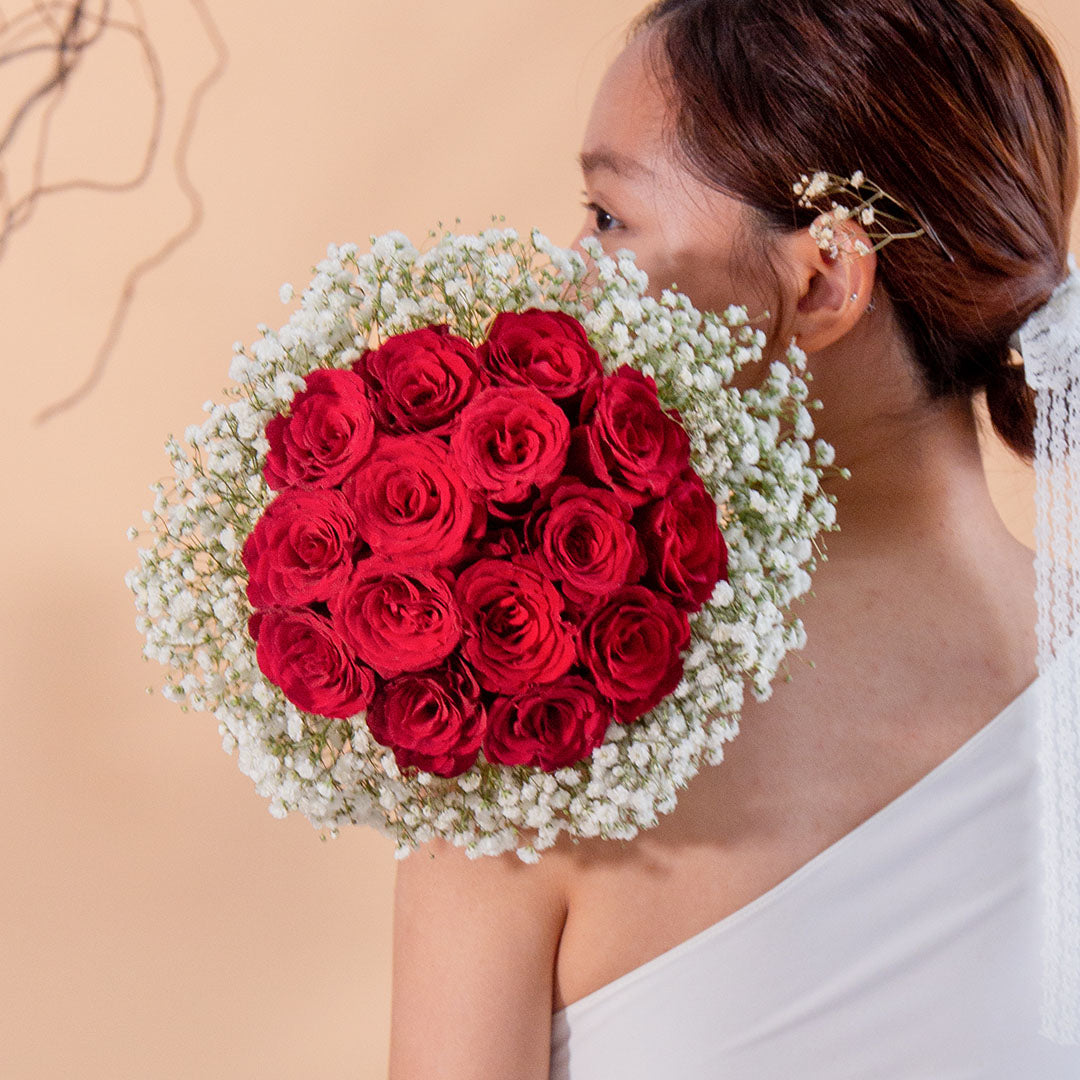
x=474, y=948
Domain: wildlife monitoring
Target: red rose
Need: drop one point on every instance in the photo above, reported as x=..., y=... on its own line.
x=546, y=349
x=631, y=644
x=301, y=548
x=514, y=633
x=410, y=502
x=328, y=432
x=547, y=727
x=419, y=380
x=583, y=537
x=630, y=442
x=431, y=719
x=497, y=543
x=301, y=652
x=687, y=551
x=397, y=619
x=510, y=440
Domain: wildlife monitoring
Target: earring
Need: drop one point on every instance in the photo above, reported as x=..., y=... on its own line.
x=854, y=297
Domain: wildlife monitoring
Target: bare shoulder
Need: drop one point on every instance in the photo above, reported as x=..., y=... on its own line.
x=474, y=948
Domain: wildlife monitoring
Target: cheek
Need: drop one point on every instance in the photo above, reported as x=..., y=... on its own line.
x=690, y=246
x=704, y=281
x=701, y=272
x=707, y=274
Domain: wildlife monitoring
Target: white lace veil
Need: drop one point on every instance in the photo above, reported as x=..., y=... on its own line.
x=1050, y=345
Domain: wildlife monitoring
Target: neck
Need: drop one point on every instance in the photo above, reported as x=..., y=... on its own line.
x=917, y=476
x=922, y=566
x=914, y=483
x=922, y=578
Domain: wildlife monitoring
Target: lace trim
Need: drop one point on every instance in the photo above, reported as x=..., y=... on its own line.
x=1050, y=344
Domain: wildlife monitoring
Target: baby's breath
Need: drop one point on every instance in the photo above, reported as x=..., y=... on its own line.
x=815, y=190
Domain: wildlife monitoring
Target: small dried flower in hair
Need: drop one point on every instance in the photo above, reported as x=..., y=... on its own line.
x=824, y=185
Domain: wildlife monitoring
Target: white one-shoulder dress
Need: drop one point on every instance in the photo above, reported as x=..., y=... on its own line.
x=907, y=950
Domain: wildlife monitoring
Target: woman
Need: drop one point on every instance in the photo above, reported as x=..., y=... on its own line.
x=852, y=892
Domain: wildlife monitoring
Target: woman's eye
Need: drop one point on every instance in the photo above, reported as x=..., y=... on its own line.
x=604, y=220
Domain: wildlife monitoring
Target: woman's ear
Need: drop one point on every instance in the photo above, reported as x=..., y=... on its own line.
x=833, y=291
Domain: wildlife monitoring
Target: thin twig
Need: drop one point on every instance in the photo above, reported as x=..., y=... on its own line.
x=19, y=212
x=185, y=233
x=67, y=51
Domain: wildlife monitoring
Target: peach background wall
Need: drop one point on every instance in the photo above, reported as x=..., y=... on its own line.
x=157, y=922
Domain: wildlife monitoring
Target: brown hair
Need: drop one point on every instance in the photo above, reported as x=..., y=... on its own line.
x=959, y=109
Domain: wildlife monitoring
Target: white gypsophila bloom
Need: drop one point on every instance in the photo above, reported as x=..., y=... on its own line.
x=190, y=585
x=824, y=452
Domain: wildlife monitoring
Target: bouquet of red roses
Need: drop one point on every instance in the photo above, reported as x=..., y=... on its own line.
x=487, y=546
x=483, y=543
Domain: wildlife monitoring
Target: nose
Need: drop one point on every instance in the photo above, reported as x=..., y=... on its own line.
x=575, y=244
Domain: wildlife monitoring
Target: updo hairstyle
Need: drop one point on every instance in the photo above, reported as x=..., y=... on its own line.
x=959, y=109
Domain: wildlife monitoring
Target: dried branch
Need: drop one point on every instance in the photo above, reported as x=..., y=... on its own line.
x=181, y=236
x=19, y=213
x=68, y=48
x=66, y=29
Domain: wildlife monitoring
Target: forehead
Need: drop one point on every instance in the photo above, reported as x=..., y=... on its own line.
x=629, y=113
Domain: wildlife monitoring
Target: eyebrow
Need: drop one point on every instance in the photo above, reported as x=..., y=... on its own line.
x=611, y=160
